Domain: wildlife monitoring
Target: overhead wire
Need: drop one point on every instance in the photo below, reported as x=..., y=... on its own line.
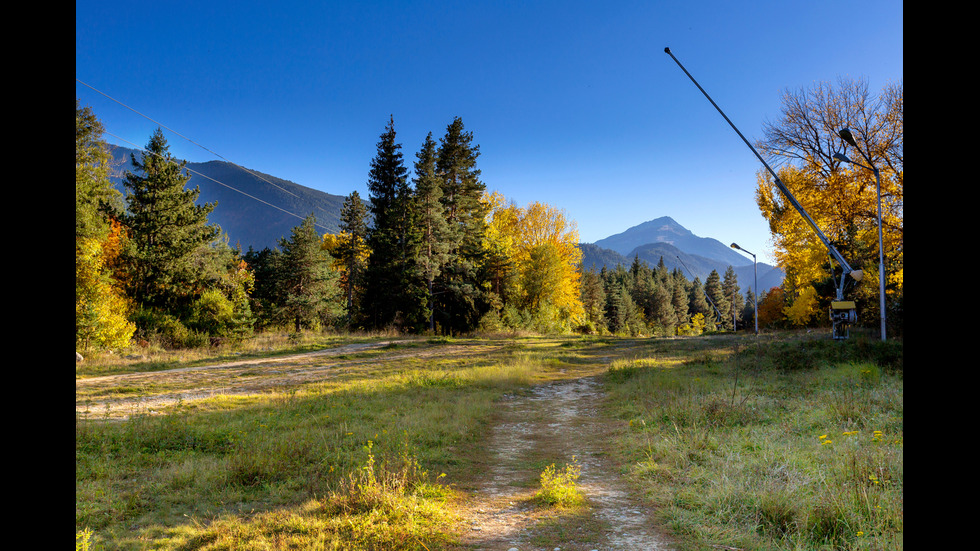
x=144, y=151
x=257, y=175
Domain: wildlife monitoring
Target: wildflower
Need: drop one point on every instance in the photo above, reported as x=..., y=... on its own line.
x=822, y=436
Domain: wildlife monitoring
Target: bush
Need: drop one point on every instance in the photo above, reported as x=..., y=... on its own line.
x=167, y=330
x=559, y=488
x=212, y=313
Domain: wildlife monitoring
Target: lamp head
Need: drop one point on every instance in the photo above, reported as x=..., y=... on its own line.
x=845, y=134
x=735, y=246
x=841, y=157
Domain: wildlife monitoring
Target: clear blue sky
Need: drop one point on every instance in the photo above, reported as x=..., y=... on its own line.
x=574, y=104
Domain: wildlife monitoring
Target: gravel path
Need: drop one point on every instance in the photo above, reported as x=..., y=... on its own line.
x=556, y=422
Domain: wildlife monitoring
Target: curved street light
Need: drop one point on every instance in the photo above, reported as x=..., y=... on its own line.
x=755, y=286
x=845, y=134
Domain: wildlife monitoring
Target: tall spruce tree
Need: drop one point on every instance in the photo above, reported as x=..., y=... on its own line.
x=462, y=300
x=94, y=191
x=386, y=285
x=166, y=228
x=433, y=228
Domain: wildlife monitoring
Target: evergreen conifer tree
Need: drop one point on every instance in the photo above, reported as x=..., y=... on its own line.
x=166, y=229
x=716, y=294
x=309, y=285
x=734, y=299
x=462, y=300
x=432, y=226
x=385, y=278
x=593, y=300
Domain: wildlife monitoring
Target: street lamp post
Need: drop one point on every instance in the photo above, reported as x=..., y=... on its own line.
x=755, y=285
x=845, y=134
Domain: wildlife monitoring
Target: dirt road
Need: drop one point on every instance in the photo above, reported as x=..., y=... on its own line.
x=558, y=423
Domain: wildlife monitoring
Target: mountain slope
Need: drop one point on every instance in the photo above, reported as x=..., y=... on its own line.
x=254, y=209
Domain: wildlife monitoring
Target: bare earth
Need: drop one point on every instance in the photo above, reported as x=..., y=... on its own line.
x=554, y=423
x=557, y=423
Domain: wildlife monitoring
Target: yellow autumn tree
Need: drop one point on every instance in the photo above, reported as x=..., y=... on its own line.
x=840, y=197
x=349, y=255
x=101, y=307
x=540, y=245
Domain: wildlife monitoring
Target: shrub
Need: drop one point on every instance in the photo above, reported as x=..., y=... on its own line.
x=558, y=488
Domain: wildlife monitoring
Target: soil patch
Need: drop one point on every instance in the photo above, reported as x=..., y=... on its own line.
x=555, y=423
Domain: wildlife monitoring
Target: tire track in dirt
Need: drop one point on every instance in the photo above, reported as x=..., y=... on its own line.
x=235, y=378
x=555, y=423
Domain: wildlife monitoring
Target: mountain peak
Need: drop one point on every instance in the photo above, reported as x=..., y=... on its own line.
x=666, y=230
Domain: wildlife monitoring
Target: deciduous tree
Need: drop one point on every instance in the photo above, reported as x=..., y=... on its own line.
x=101, y=305
x=840, y=197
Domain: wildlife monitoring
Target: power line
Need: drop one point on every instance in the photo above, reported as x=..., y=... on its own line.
x=259, y=176
x=216, y=181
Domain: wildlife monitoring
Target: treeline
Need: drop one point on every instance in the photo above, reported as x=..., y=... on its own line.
x=645, y=300
x=429, y=250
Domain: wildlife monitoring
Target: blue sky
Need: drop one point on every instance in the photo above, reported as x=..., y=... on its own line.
x=574, y=104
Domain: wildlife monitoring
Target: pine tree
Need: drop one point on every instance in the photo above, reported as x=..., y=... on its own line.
x=733, y=298
x=697, y=302
x=166, y=229
x=679, y=299
x=593, y=300
x=716, y=296
x=388, y=239
x=267, y=295
x=433, y=229
x=462, y=300
x=93, y=189
x=662, y=315
x=309, y=285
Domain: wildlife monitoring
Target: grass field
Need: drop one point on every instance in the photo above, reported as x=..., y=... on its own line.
x=771, y=442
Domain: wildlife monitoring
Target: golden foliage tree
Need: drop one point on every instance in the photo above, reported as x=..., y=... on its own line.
x=101, y=306
x=541, y=244
x=841, y=198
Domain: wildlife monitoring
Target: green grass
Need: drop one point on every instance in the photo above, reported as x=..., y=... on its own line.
x=786, y=443
x=775, y=445
x=336, y=464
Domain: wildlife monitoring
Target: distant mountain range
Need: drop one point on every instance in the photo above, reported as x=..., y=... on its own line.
x=256, y=210
x=679, y=248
